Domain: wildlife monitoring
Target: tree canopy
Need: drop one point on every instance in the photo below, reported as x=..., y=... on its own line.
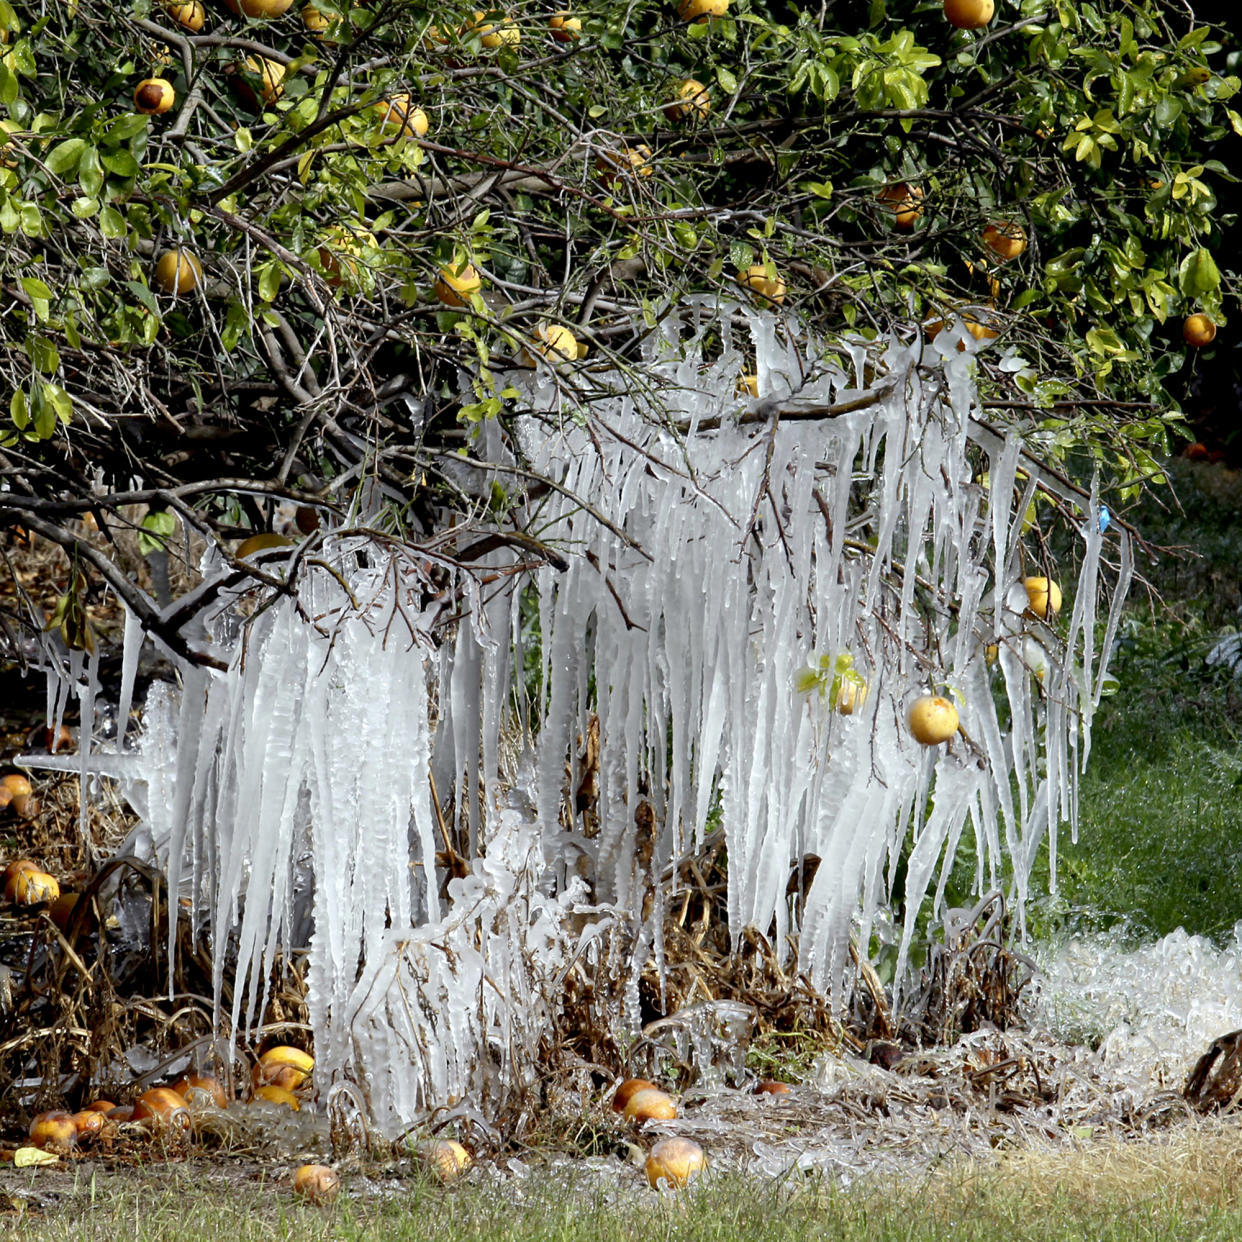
x=381, y=207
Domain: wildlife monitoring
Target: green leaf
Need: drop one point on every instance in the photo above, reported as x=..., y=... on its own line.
x=63, y=158
x=59, y=400
x=19, y=409
x=112, y=223
x=157, y=528
x=1198, y=274
x=43, y=354
x=40, y=296
x=90, y=172
x=269, y=280
x=121, y=163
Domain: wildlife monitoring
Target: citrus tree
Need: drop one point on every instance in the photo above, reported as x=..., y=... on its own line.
x=255, y=253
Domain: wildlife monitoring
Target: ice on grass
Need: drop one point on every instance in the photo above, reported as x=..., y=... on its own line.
x=399, y=798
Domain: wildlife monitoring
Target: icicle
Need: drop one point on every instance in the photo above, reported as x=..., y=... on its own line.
x=294, y=790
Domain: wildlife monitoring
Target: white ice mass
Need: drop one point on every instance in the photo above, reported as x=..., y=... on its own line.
x=398, y=795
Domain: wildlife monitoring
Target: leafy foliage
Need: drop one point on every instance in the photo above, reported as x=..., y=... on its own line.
x=327, y=166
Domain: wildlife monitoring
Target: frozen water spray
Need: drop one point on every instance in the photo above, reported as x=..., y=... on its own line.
x=730, y=567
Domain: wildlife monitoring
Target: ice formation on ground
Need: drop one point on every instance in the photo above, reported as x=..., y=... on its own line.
x=722, y=553
x=1152, y=1009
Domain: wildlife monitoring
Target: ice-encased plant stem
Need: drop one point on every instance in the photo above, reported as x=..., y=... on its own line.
x=716, y=553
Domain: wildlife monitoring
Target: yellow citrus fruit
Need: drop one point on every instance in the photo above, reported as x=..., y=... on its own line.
x=674, y=1162
x=1198, y=330
x=932, y=719
x=445, y=1159
x=400, y=114
x=455, y=285
x=260, y=80
x=496, y=35
x=969, y=14
x=632, y=161
x=259, y=8
x=691, y=101
x=177, y=272
x=905, y=201
x=701, y=10
x=260, y=543
x=565, y=27
x=553, y=342
x=650, y=1104
x=154, y=96
x=767, y=286
x=189, y=13
x=316, y=1183
x=1006, y=239
x=1044, y=597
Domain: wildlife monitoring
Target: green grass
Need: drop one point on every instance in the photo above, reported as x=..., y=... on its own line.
x=1114, y=1193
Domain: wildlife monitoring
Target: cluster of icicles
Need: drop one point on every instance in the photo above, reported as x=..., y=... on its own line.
x=299, y=799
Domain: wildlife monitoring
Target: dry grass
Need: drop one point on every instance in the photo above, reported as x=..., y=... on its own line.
x=1197, y=1163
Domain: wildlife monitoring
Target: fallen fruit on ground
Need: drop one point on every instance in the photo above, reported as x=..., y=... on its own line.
x=932, y=719
x=88, y=1123
x=12, y=787
x=53, y=1131
x=445, y=1159
x=62, y=909
x=674, y=1162
x=1198, y=330
x=1006, y=239
x=284, y=1067
x=1044, y=597
x=627, y=1089
x=455, y=285
x=565, y=27
x=30, y=888
x=650, y=1104
x=163, y=1109
x=287, y=1054
x=177, y=272
x=201, y=1090
x=770, y=1086
x=767, y=286
x=905, y=201
x=969, y=14
x=317, y=1183
x=691, y=101
x=286, y=1077
x=278, y=1095
x=154, y=96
